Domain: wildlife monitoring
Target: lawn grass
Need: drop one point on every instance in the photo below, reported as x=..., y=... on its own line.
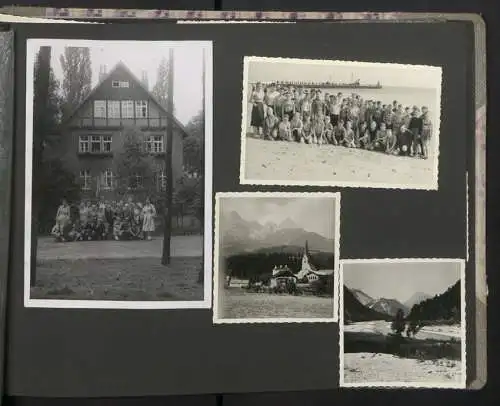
x=134, y=279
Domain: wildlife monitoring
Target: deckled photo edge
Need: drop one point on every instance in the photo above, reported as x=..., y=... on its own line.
x=216, y=278
x=352, y=185
x=336, y=268
x=31, y=47
x=244, y=119
x=416, y=385
x=439, y=80
x=433, y=185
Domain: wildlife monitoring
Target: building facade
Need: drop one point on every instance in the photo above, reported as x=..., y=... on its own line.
x=93, y=135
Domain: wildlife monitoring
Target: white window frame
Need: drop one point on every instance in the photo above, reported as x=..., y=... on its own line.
x=141, y=109
x=154, y=144
x=127, y=109
x=83, y=144
x=114, y=109
x=99, y=108
x=86, y=179
x=106, y=140
x=157, y=143
x=120, y=84
x=161, y=180
x=107, y=179
x=95, y=140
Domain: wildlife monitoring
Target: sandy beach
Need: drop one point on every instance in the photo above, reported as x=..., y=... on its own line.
x=387, y=369
x=268, y=162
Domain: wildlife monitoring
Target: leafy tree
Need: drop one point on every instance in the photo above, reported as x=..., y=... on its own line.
x=77, y=82
x=193, y=144
x=160, y=89
x=398, y=324
x=188, y=196
x=134, y=163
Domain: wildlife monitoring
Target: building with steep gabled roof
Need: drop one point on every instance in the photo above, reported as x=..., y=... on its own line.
x=92, y=135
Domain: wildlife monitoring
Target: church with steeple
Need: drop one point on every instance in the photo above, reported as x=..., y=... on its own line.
x=308, y=270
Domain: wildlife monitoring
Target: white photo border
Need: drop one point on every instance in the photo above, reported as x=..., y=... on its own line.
x=216, y=282
x=411, y=385
x=244, y=118
x=32, y=46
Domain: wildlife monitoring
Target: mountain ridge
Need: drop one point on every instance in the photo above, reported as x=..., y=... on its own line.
x=363, y=298
x=241, y=235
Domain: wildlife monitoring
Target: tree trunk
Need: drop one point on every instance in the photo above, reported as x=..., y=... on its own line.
x=39, y=133
x=167, y=232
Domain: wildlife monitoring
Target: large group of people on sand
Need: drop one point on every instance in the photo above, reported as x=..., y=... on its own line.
x=104, y=220
x=312, y=116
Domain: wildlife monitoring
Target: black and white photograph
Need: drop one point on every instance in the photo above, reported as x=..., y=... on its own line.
x=402, y=323
x=118, y=174
x=340, y=123
x=276, y=257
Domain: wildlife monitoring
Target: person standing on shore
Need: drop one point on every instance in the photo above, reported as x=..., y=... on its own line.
x=257, y=100
x=317, y=107
x=426, y=132
x=416, y=126
x=288, y=107
x=305, y=106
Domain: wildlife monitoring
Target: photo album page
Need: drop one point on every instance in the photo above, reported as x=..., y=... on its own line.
x=228, y=208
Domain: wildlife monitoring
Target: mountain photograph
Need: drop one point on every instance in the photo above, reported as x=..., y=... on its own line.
x=402, y=322
x=277, y=256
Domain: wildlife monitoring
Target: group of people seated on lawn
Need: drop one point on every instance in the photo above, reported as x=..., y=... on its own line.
x=316, y=117
x=104, y=220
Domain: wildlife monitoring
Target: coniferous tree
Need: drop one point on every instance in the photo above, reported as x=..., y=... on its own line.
x=398, y=324
x=51, y=179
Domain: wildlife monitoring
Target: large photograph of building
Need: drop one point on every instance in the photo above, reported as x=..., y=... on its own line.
x=117, y=142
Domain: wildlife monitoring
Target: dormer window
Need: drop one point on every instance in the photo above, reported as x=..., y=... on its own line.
x=120, y=83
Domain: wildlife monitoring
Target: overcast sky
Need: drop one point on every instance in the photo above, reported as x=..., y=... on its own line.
x=387, y=74
x=401, y=280
x=139, y=56
x=315, y=214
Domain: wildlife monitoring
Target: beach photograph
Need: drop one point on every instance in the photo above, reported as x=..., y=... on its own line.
x=338, y=123
x=276, y=257
x=402, y=323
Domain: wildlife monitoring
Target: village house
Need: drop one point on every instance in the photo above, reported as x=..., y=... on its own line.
x=93, y=134
x=308, y=272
